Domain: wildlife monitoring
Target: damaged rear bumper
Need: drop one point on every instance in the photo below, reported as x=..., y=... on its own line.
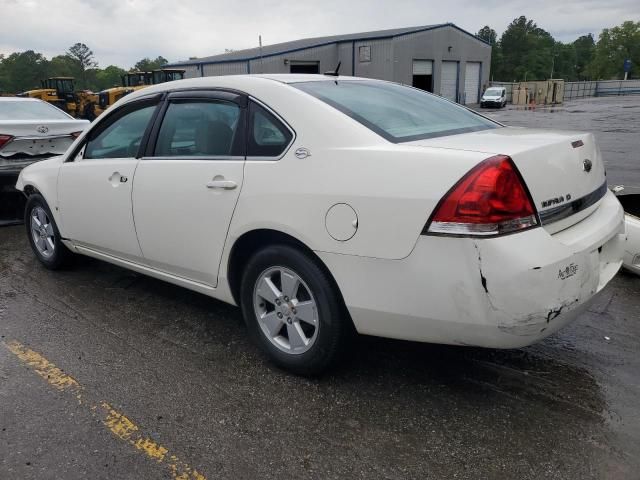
x=503, y=292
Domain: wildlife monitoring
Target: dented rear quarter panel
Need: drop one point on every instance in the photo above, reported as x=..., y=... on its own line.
x=503, y=292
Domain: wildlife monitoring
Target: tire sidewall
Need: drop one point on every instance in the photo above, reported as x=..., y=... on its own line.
x=330, y=330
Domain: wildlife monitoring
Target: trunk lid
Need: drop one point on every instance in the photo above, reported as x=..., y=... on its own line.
x=38, y=137
x=563, y=171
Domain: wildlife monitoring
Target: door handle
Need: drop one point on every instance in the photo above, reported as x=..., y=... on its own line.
x=116, y=178
x=223, y=184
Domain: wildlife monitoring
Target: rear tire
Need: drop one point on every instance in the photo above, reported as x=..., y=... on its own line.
x=293, y=311
x=44, y=236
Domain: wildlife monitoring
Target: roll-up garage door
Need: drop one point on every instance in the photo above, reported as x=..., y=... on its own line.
x=472, y=82
x=423, y=74
x=449, y=80
x=422, y=67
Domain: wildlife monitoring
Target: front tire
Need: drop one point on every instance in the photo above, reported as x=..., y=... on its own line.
x=293, y=311
x=44, y=235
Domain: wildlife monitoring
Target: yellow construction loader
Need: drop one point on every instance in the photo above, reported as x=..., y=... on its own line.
x=60, y=91
x=133, y=81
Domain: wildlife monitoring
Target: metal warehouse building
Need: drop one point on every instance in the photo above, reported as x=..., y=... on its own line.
x=443, y=59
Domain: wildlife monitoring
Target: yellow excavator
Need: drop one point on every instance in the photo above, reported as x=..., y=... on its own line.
x=60, y=91
x=133, y=81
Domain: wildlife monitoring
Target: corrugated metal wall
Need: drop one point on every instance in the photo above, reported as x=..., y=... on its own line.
x=235, y=68
x=327, y=56
x=390, y=59
x=191, y=71
x=381, y=64
x=344, y=56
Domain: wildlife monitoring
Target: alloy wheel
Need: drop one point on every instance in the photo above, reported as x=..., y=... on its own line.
x=42, y=232
x=286, y=310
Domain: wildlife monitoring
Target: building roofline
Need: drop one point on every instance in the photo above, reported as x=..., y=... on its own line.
x=249, y=58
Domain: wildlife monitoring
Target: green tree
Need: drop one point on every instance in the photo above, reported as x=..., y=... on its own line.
x=563, y=61
x=22, y=71
x=585, y=48
x=109, y=77
x=83, y=58
x=147, y=65
x=63, y=66
x=614, y=46
x=527, y=51
x=490, y=36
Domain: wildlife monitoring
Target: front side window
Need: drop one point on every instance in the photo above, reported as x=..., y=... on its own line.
x=268, y=137
x=122, y=137
x=199, y=129
x=396, y=112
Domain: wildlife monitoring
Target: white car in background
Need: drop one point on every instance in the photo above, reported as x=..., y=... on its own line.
x=494, y=97
x=30, y=130
x=323, y=204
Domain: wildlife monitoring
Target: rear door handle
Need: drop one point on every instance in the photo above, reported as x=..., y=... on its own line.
x=223, y=184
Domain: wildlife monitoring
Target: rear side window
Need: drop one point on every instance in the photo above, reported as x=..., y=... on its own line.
x=268, y=137
x=121, y=137
x=199, y=128
x=396, y=112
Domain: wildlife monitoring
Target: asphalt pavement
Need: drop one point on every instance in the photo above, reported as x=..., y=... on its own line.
x=107, y=374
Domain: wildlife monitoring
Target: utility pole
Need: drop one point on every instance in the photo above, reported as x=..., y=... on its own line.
x=260, y=42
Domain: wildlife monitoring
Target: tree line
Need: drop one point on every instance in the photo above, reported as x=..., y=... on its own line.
x=21, y=71
x=527, y=52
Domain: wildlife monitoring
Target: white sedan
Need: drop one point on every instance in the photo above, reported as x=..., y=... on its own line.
x=31, y=129
x=326, y=205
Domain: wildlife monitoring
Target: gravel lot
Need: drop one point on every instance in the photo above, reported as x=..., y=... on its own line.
x=108, y=374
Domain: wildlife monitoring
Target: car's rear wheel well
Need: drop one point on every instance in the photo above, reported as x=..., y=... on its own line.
x=252, y=241
x=30, y=190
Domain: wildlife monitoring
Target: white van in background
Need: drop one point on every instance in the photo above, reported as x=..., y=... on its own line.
x=494, y=97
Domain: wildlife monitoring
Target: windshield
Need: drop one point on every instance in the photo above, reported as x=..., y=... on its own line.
x=395, y=112
x=494, y=92
x=30, y=110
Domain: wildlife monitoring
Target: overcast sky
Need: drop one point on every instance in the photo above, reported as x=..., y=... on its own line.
x=123, y=31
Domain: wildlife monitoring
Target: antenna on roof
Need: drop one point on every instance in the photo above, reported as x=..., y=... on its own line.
x=334, y=73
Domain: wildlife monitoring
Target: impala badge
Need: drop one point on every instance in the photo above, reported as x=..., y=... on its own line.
x=42, y=129
x=587, y=165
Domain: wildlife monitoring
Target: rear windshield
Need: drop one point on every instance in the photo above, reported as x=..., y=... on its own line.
x=395, y=112
x=30, y=110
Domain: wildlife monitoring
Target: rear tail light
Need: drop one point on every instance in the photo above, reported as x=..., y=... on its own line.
x=4, y=139
x=491, y=199
x=76, y=134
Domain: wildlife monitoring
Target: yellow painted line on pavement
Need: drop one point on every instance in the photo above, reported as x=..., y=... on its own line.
x=43, y=367
x=117, y=423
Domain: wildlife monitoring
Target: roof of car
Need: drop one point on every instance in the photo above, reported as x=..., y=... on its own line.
x=239, y=82
x=19, y=99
